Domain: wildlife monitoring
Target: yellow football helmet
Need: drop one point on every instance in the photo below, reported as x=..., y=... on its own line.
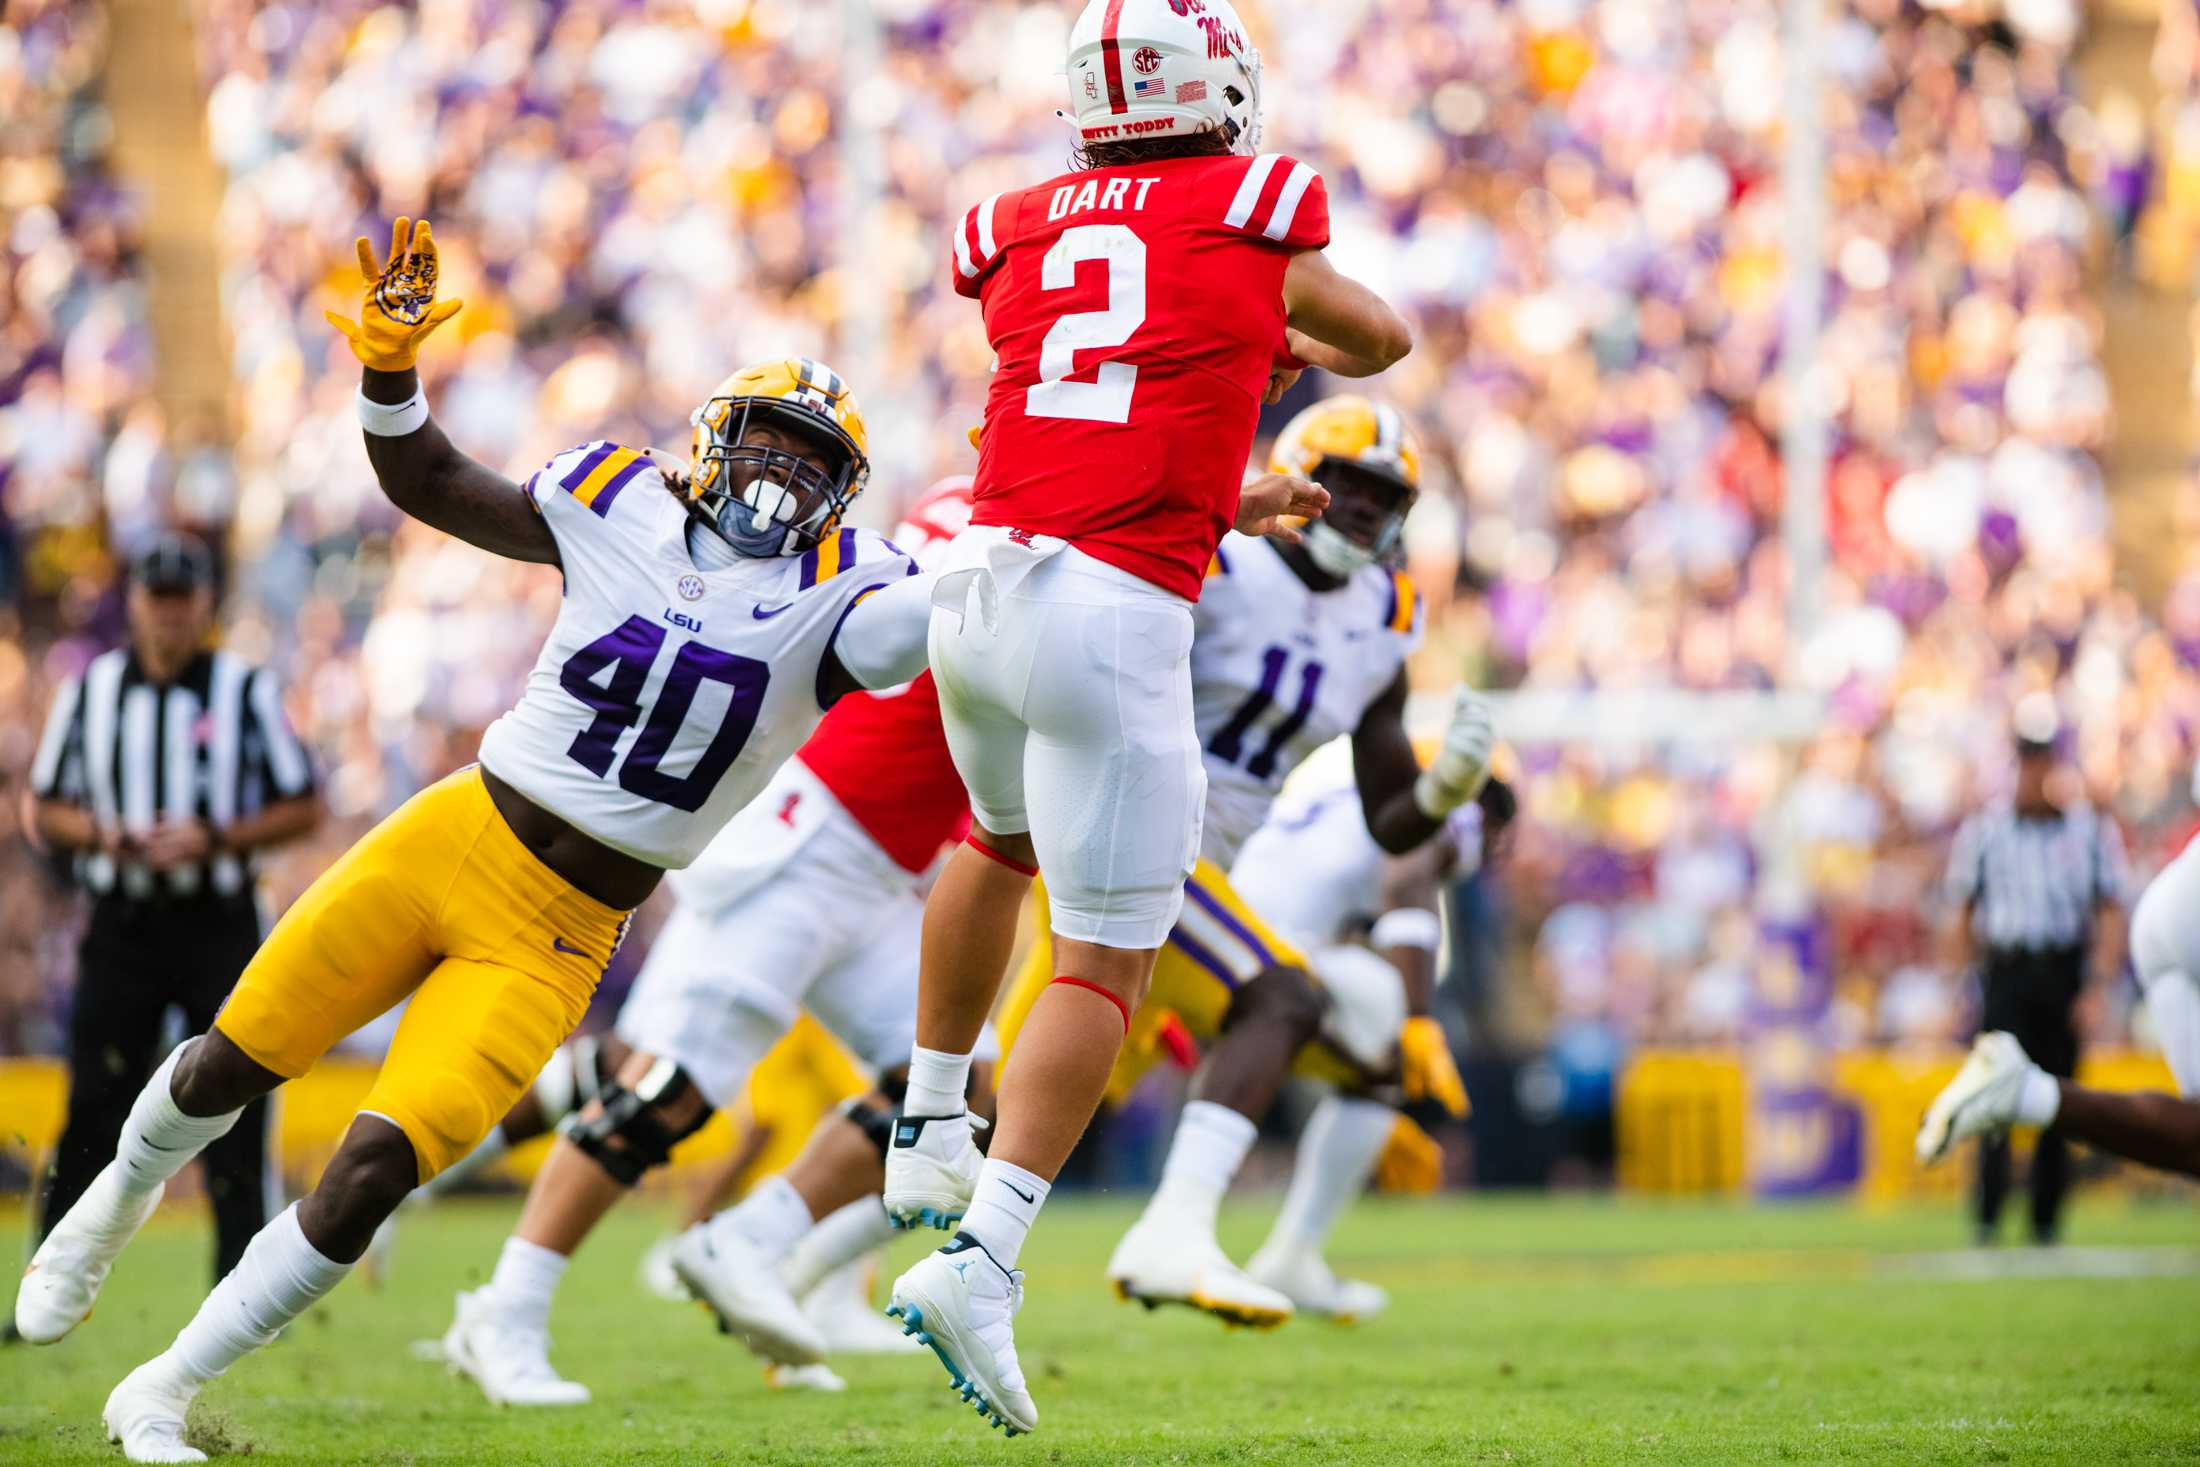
x=1350, y=444
x=763, y=500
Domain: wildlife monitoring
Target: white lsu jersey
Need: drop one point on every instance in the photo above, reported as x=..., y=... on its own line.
x=1279, y=669
x=666, y=694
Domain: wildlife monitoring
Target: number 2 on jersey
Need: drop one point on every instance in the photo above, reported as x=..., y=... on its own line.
x=1107, y=398
x=627, y=652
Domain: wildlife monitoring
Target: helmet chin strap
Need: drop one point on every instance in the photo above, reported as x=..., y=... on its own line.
x=1334, y=552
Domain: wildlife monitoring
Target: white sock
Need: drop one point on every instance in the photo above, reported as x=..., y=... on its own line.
x=280, y=1277
x=1209, y=1146
x=2040, y=1098
x=525, y=1281
x=1006, y=1203
x=938, y=1083
x=1337, y=1154
x=838, y=1239
x=771, y=1219
x=158, y=1139
x=492, y=1146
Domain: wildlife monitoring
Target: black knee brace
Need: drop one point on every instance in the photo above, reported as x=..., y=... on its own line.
x=635, y=1120
x=876, y=1125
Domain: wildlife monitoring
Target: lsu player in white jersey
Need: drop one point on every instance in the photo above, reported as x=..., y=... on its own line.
x=1292, y=646
x=811, y=898
x=700, y=639
x=2000, y=1086
x=1367, y=921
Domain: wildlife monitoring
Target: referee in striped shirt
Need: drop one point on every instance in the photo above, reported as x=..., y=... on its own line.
x=162, y=770
x=2041, y=886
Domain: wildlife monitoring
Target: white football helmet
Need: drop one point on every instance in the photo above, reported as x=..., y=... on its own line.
x=1163, y=68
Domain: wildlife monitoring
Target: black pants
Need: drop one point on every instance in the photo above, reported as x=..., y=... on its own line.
x=2031, y=995
x=136, y=961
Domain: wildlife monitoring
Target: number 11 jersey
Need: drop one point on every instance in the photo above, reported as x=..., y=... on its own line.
x=667, y=695
x=1136, y=313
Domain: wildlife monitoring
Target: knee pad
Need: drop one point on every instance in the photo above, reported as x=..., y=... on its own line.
x=1367, y=1005
x=876, y=1125
x=631, y=1133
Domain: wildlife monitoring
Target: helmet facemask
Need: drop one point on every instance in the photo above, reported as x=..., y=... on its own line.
x=763, y=500
x=1372, y=533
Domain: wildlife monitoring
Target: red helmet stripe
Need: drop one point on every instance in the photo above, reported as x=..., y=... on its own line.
x=1111, y=55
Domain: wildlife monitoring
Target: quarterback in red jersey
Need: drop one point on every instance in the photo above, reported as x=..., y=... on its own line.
x=1141, y=308
x=810, y=898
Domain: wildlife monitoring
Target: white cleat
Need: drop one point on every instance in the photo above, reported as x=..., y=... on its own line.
x=931, y=1170
x=145, y=1413
x=840, y=1306
x=1303, y=1278
x=1162, y=1261
x=62, y=1283
x=1981, y=1098
x=727, y=1275
x=655, y=1273
x=510, y=1363
x=804, y=1377
x=963, y=1304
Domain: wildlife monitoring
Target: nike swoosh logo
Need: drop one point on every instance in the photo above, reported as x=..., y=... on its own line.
x=1020, y=1192
x=561, y=945
x=766, y=613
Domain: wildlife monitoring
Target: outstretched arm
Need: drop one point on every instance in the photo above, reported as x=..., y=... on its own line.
x=419, y=469
x=1385, y=767
x=1338, y=324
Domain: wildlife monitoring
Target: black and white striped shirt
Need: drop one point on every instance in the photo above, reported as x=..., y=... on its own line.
x=2034, y=882
x=212, y=745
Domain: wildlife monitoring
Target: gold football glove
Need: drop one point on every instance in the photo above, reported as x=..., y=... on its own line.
x=400, y=307
x=1411, y=1161
x=1428, y=1070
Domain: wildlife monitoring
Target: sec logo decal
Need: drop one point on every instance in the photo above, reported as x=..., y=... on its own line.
x=1148, y=61
x=691, y=588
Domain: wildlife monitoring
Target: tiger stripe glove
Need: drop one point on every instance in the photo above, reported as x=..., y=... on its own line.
x=400, y=308
x=1426, y=1067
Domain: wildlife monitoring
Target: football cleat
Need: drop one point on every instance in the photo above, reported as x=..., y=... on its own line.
x=963, y=1305
x=1981, y=1098
x=510, y=1363
x=804, y=1377
x=1161, y=1262
x=728, y=1276
x=145, y=1414
x=655, y=1274
x=931, y=1170
x=63, y=1280
x=1302, y=1277
x=840, y=1306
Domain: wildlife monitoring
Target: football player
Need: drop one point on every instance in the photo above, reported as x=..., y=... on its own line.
x=1294, y=645
x=1138, y=307
x=701, y=637
x=2000, y=1086
x=810, y=898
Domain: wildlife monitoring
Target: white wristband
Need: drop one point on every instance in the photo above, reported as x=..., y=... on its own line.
x=1416, y=927
x=394, y=419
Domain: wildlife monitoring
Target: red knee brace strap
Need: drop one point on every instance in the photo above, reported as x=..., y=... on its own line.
x=992, y=855
x=1104, y=993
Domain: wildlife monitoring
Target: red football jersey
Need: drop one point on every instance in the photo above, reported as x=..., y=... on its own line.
x=884, y=755
x=1136, y=313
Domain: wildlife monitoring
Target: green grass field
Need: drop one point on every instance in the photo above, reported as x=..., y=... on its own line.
x=1533, y=1331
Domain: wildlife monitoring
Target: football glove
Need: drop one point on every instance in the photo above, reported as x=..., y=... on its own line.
x=1462, y=763
x=400, y=308
x=1426, y=1067
x=1410, y=1161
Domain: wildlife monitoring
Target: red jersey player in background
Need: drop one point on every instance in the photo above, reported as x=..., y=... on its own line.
x=1138, y=307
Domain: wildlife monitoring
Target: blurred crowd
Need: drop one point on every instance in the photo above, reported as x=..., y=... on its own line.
x=1577, y=201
